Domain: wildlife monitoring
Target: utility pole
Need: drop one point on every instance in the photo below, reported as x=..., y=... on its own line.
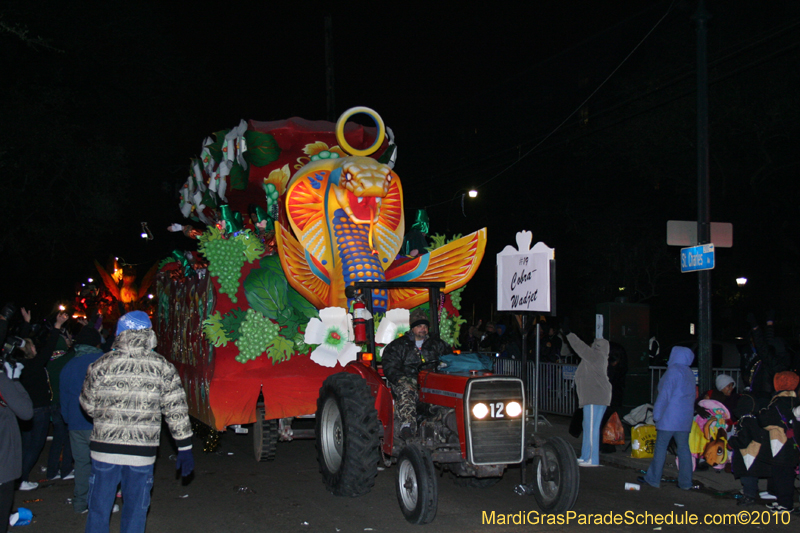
x=703, y=204
x=330, y=89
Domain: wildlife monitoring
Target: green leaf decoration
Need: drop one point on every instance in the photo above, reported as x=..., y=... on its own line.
x=440, y=240
x=254, y=248
x=300, y=305
x=280, y=350
x=216, y=147
x=437, y=242
x=239, y=177
x=165, y=262
x=209, y=200
x=215, y=331
x=289, y=320
x=377, y=318
x=232, y=323
x=300, y=343
x=262, y=148
x=386, y=156
x=266, y=288
x=211, y=234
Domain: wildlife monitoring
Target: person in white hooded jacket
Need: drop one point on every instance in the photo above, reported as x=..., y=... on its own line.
x=594, y=393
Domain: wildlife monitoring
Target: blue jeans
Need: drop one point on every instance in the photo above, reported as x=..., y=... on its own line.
x=34, y=435
x=59, y=460
x=79, y=441
x=137, y=482
x=685, y=467
x=590, y=450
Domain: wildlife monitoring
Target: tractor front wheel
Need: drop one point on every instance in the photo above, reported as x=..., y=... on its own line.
x=416, y=484
x=556, y=480
x=347, y=431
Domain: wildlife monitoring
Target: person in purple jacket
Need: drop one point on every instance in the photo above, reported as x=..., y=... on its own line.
x=673, y=413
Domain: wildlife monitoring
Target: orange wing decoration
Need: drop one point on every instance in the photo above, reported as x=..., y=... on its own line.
x=454, y=263
x=148, y=280
x=109, y=282
x=304, y=273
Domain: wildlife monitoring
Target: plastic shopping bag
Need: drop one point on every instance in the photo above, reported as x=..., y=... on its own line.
x=613, y=432
x=643, y=441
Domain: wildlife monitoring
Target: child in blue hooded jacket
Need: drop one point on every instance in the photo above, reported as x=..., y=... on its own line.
x=673, y=413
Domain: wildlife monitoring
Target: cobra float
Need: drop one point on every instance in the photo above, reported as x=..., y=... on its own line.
x=285, y=216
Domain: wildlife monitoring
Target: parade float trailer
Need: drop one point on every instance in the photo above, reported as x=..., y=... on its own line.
x=258, y=323
x=286, y=215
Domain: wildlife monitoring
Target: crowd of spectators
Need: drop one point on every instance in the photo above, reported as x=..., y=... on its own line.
x=49, y=386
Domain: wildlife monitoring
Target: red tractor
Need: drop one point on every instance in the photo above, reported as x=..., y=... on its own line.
x=471, y=424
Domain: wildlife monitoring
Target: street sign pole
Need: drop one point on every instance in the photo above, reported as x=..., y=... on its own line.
x=703, y=210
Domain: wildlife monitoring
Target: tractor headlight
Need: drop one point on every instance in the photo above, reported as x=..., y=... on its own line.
x=513, y=408
x=480, y=410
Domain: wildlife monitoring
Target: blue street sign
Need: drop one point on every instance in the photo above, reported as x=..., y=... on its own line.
x=697, y=258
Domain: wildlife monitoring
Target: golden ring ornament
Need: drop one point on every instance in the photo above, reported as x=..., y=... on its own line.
x=376, y=118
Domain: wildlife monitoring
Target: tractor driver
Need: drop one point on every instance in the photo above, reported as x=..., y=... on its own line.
x=401, y=362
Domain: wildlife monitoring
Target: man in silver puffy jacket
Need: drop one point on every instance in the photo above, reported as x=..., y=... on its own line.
x=126, y=392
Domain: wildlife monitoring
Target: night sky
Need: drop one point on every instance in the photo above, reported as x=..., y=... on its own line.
x=575, y=119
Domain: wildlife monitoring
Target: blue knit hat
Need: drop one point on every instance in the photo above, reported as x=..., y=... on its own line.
x=133, y=320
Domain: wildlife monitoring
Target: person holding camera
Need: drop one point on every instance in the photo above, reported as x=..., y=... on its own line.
x=35, y=380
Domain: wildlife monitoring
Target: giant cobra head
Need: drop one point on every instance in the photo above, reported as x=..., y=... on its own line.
x=363, y=182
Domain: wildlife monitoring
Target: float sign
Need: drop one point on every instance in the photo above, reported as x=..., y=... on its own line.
x=523, y=276
x=697, y=258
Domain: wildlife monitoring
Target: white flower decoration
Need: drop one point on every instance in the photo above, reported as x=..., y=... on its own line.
x=392, y=326
x=333, y=332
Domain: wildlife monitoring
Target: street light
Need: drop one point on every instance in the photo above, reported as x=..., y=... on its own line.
x=472, y=193
x=741, y=282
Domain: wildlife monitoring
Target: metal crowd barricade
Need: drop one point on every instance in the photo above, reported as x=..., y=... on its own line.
x=556, y=385
x=657, y=371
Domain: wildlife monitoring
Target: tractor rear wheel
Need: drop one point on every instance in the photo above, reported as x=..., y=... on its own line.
x=265, y=436
x=555, y=486
x=347, y=431
x=416, y=484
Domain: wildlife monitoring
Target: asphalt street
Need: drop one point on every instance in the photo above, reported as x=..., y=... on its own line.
x=230, y=492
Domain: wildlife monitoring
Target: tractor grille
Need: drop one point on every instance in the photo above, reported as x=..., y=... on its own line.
x=494, y=439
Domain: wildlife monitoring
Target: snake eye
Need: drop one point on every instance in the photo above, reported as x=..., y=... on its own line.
x=347, y=176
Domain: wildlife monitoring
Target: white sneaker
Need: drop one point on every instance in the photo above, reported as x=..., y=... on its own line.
x=588, y=464
x=71, y=475
x=581, y=461
x=28, y=485
x=115, y=509
x=54, y=478
x=766, y=496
